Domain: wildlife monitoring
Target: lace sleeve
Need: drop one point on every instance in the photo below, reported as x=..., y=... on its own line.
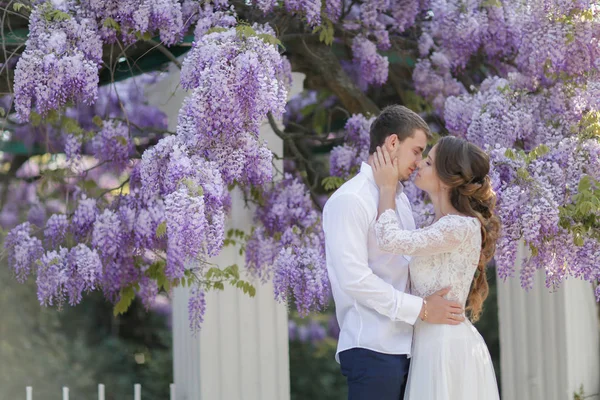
x=441, y=237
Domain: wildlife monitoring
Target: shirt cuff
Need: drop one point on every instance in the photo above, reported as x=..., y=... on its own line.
x=409, y=308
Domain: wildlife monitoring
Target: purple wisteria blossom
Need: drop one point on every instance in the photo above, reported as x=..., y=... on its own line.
x=528, y=205
x=107, y=234
x=196, y=308
x=373, y=67
x=112, y=144
x=506, y=77
x=53, y=277
x=56, y=229
x=23, y=250
x=84, y=272
x=84, y=217
x=345, y=160
x=288, y=246
x=60, y=63
x=301, y=273
x=186, y=230
x=164, y=17
x=311, y=10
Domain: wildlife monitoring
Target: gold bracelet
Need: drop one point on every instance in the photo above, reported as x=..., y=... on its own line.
x=424, y=310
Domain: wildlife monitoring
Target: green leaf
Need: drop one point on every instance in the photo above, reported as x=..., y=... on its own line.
x=219, y=286
x=270, y=39
x=35, y=119
x=161, y=230
x=233, y=270
x=509, y=153
x=56, y=175
x=52, y=117
x=214, y=272
x=244, y=31
x=111, y=23
x=534, y=250
x=522, y=173
x=491, y=3
x=319, y=121
x=332, y=183
x=142, y=35
x=70, y=125
x=126, y=297
x=57, y=15
x=122, y=140
x=570, y=37
x=193, y=188
x=215, y=29
x=162, y=281
x=152, y=271
x=326, y=32
x=585, y=184
x=88, y=185
x=585, y=207
x=97, y=121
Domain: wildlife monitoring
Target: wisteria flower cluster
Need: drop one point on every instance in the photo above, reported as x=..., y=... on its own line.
x=309, y=9
x=60, y=62
x=530, y=194
x=540, y=44
x=542, y=82
x=504, y=114
x=195, y=201
x=345, y=160
x=369, y=22
x=142, y=16
x=499, y=73
x=178, y=196
x=237, y=77
x=288, y=246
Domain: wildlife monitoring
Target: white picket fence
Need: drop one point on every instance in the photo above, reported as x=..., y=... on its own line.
x=137, y=392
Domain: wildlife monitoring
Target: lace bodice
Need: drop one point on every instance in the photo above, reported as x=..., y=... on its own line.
x=446, y=252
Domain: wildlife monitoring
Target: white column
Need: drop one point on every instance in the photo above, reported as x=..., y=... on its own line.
x=241, y=352
x=549, y=341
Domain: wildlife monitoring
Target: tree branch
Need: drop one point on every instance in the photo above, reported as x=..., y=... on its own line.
x=160, y=47
x=317, y=59
x=303, y=162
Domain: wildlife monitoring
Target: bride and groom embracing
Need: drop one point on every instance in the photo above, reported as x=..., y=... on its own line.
x=401, y=293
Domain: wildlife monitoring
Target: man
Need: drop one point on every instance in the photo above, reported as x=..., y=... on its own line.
x=370, y=287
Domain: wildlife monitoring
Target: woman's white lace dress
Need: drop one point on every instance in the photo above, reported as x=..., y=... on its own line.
x=449, y=362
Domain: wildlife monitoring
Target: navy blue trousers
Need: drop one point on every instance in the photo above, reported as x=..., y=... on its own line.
x=374, y=376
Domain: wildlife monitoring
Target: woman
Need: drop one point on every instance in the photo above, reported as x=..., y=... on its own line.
x=448, y=362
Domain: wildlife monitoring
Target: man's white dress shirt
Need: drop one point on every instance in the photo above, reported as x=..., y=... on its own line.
x=368, y=284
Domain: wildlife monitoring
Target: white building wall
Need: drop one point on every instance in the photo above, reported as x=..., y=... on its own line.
x=549, y=342
x=241, y=351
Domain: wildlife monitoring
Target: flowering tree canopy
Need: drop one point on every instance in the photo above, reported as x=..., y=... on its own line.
x=97, y=193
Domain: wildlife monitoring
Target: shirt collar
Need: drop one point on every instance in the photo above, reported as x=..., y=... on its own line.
x=368, y=172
